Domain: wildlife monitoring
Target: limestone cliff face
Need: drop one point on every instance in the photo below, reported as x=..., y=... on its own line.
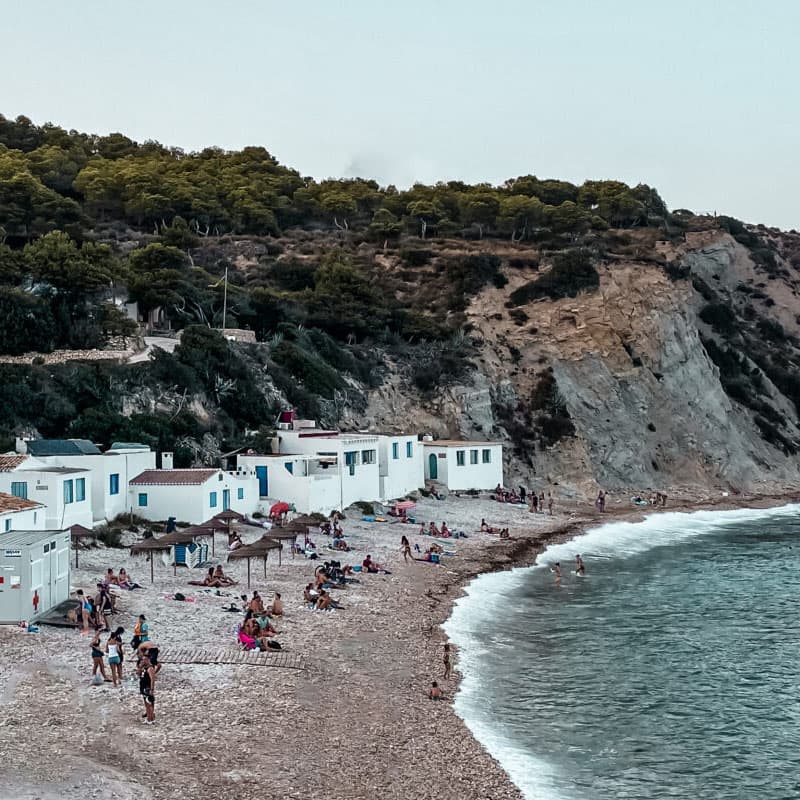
x=648, y=407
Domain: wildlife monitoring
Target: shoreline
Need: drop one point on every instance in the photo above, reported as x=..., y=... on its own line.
x=356, y=722
x=525, y=550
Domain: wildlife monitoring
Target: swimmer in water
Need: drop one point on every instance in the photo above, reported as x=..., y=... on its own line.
x=580, y=567
x=556, y=570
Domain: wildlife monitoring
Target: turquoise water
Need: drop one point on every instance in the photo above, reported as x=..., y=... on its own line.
x=671, y=670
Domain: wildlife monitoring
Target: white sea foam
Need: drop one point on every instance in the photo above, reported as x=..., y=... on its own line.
x=623, y=539
x=489, y=594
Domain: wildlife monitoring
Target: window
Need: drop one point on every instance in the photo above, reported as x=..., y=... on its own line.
x=142, y=499
x=240, y=493
x=409, y=449
x=473, y=456
x=19, y=489
x=113, y=483
x=460, y=457
x=8, y=525
x=80, y=489
x=351, y=458
x=395, y=450
x=212, y=499
x=69, y=496
x=367, y=456
x=487, y=456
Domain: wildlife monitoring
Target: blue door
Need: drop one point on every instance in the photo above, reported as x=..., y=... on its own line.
x=226, y=499
x=433, y=466
x=263, y=487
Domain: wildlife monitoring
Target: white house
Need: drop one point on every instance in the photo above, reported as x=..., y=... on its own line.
x=111, y=471
x=464, y=465
x=191, y=495
x=355, y=453
x=310, y=483
x=18, y=514
x=400, y=466
x=65, y=492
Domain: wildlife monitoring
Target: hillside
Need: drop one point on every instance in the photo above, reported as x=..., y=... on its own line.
x=609, y=341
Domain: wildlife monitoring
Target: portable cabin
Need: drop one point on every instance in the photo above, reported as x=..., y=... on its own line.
x=34, y=573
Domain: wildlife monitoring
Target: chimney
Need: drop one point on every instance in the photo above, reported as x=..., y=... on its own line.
x=20, y=445
x=166, y=461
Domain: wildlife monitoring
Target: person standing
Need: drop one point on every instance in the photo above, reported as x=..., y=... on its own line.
x=147, y=689
x=541, y=502
x=97, y=658
x=114, y=651
x=556, y=570
x=446, y=661
x=534, y=503
x=85, y=611
x=580, y=567
x=550, y=504
x=140, y=632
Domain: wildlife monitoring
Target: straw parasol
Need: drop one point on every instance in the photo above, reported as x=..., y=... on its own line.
x=304, y=519
x=288, y=533
x=258, y=549
x=78, y=532
x=151, y=546
x=200, y=531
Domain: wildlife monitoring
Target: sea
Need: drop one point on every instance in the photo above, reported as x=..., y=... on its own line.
x=671, y=670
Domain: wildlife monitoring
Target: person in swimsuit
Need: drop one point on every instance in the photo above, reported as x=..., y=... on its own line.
x=556, y=570
x=114, y=650
x=97, y=658
x=435, y=693
x=580, y=567
x=85, y=611
x=446, y=661
x=147, y=687
x=276, y=609
x=405, y=547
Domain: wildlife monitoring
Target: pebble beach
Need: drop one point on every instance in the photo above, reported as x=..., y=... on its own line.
x=355, y=723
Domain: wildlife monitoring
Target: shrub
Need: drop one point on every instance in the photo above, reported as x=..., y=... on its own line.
x=720, y=317
x=416, y=257
x=365, y=508
x=572, y=272
x=109, y=535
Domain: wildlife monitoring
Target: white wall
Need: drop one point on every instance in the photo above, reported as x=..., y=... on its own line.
x=127, y=464
x=309, y=487
x=458, y=477
x=402, y=475
x=193, y=503
x=46, y=486
x=31, y=519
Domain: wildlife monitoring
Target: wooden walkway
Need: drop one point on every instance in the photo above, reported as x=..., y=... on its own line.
x=254, y=658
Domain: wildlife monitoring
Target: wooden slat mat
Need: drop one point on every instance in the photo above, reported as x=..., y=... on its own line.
x=189, y=655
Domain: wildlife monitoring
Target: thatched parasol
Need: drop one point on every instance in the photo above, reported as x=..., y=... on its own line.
x=78, y=532
x=151, y=546
x=201, y=531
x=305, y=519
x=258, y=549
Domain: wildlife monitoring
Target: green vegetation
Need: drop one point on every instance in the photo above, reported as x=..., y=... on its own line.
x=572, y=271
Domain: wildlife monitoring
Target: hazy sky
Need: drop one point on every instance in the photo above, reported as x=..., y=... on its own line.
x=696, y=97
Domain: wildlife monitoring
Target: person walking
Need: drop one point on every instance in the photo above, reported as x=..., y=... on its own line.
x=140, y=632
x=405, y=546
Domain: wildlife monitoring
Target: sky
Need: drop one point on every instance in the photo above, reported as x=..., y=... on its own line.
x=698, y=98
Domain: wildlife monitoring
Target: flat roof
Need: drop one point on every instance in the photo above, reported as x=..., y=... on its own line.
x=173, y=477
x=455, y=443
x=16, y=539
x=57, y=470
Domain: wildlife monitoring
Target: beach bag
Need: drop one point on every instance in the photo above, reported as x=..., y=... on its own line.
x=272, y=645
x=178, y=596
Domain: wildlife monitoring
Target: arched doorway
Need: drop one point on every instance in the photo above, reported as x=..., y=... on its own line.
x=433, y=466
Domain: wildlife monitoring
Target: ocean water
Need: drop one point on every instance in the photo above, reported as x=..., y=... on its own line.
x=672, y=670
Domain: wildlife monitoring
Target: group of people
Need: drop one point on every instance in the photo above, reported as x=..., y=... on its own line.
x=257, y=630
x=580, y=569
x=147, y=663
x=503, y=495
x=539, y=504
x=486, y=528
x=216, y=578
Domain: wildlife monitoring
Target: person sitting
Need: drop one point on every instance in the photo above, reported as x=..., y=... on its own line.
x=310, y=594
x=325, y=528
x=484, y=527
x=256, y=605
x=276, y=609
x=445, y=530
x=504, y=533
x=234, y=541
x=224, y=579
x=323, y=601
x=341, y=544
x=435, y=693
x=111, y=578
x=124, y=581
x=210, y=580
x=265, y=625
x=432, y=529
x=436, y=548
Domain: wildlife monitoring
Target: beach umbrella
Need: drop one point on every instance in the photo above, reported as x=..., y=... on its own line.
x=281, y=535
x=279, y=508
x=258, y=549
x=151, y=546
x=201, y=531
x=78, y=532
x=228, y=515
x=304, y=519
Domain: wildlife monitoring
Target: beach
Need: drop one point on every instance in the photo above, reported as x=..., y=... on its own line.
x=356, y=723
